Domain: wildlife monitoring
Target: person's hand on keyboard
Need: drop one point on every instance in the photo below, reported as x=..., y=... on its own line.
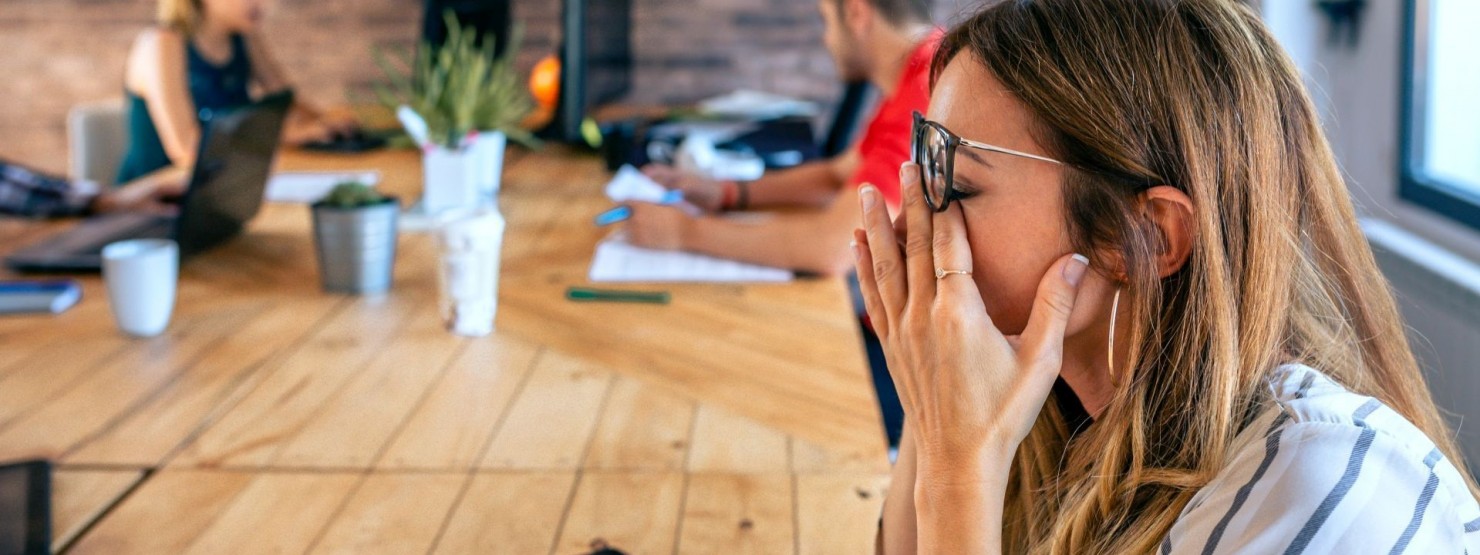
x=155, y=193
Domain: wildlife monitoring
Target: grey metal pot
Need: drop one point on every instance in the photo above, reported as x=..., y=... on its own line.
x=356, y=246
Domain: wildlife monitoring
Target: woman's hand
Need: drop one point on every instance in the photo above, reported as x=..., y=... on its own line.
x=970, y=393
x=155, y=193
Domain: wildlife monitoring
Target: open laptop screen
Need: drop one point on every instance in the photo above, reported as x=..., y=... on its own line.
x=231, y=170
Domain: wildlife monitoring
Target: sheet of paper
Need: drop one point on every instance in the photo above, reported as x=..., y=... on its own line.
x=629, y=184
x=309, y=187
x=616, y=260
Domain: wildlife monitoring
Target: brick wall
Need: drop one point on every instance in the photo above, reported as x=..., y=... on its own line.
x=57, y=53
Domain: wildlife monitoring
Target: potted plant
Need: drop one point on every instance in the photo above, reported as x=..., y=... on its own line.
x=461, y=104
x=354, y=230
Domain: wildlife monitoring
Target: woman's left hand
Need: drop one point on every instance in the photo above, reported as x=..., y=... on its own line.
x=970, y=393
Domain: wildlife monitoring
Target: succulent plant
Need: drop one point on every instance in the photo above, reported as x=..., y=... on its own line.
x=352, y=194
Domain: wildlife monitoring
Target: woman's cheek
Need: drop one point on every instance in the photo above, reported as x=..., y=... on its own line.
x=1003, y=295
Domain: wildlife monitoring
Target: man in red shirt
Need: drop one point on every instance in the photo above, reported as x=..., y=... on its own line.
x=889, y=43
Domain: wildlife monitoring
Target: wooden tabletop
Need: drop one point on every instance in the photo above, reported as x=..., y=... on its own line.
x=272, y=417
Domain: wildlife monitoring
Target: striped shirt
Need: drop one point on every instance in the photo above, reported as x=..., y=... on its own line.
x=24, y=192
x=1325, y=470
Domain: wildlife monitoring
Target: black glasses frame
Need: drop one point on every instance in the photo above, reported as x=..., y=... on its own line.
x=948, y=172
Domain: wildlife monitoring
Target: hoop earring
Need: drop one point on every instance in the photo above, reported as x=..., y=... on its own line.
x=1114, y=312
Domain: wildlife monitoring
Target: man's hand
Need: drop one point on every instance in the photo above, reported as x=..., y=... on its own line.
x=657, y=226
x=153, y=193
x=702, y=192
x=342, y=123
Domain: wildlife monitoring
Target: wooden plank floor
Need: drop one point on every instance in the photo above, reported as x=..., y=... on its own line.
x=273, y=418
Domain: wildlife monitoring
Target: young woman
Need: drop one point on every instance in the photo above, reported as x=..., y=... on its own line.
x=1223, y=369
x=206, y=54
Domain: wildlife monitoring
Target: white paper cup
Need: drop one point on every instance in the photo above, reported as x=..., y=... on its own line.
x=470, y=245
x=141, y=275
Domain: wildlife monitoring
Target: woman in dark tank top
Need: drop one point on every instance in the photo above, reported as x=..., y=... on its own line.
x=206, y=55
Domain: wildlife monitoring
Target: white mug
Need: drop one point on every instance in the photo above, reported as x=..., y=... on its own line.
x=141, y=276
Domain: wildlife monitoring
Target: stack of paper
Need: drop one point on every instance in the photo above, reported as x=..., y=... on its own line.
x=616, y=260
x=309, y=187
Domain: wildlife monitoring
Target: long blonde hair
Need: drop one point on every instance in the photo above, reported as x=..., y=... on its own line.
x=181, y=15
x=1198, y=95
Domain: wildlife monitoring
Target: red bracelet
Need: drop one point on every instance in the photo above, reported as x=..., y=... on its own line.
x=728, y=195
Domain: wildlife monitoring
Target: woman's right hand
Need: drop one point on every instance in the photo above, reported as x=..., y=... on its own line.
x=699, y=191
x=970, y=392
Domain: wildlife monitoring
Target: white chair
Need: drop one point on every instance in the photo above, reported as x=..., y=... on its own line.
x=96, y=139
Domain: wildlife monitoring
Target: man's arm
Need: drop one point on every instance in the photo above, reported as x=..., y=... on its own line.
x=810, y=185
x=815, y=242
x=813, y=185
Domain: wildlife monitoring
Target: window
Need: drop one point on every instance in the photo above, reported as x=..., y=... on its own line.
x=1440, y=154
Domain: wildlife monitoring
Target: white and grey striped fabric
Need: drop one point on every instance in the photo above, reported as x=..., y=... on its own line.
x=1329, y=471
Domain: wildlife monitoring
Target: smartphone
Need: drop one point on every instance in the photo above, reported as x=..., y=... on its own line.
x=25, y=508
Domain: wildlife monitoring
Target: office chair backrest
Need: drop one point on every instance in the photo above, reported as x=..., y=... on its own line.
x=95, y=141
x=856, y=98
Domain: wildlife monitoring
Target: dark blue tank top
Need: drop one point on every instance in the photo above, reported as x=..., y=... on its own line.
x=212, y=87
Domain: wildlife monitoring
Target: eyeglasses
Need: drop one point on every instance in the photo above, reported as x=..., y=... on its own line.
x=933, y=148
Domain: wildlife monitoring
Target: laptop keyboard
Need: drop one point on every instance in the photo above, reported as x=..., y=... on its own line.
x=151, y=228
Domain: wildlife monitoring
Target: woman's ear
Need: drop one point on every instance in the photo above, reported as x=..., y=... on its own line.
x=1170, y=211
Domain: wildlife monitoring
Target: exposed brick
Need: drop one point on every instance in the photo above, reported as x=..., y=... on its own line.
x=59, y=53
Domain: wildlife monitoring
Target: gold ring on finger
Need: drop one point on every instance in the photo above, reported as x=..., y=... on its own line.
x=941, y=273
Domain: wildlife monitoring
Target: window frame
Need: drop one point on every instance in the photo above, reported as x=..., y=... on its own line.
x=1414, y=185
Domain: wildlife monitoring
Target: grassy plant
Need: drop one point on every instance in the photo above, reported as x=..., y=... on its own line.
x=461, y=87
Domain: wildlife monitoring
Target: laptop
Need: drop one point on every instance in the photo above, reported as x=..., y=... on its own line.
x=225, y=191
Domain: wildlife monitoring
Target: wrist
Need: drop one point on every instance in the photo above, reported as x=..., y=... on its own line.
x=729, y=194
x=960, y=510
x=687, y=227
x=948, y=471
x=97, y=204
x=742, y=195
x=953, y=472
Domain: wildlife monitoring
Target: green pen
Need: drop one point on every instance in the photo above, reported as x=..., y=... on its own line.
x=586, y=294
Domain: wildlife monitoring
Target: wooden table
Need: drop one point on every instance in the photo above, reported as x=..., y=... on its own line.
x=272, y=417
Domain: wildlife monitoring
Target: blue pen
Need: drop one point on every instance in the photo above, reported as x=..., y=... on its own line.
x=621, y=213
x=613, y=216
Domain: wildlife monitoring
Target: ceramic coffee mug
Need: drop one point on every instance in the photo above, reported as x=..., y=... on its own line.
x=141, y=275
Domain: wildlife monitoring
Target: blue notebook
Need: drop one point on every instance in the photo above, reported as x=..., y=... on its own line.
x=38, y=297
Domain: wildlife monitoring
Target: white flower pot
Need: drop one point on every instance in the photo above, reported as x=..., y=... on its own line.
x=448, y=179
x=486, y=162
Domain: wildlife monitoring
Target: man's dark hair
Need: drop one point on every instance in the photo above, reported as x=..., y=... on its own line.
x=899, y=12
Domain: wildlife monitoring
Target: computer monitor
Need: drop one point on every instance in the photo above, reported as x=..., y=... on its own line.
x=485, y=16
x=595, y=61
